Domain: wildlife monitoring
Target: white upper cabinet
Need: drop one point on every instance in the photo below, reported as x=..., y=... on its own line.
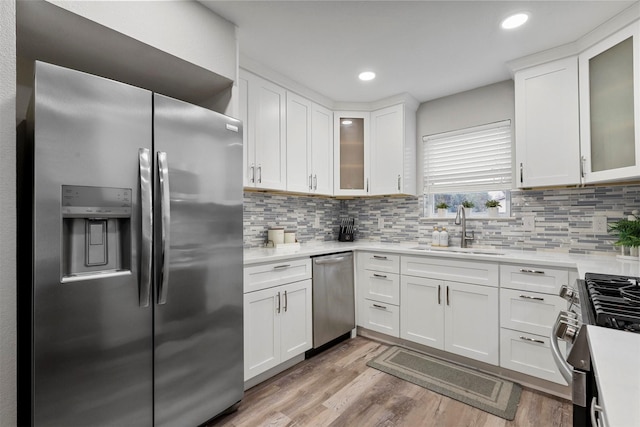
x=299, y=176
x=322, y=149
x=309, y=146
x=547, y=124
x=393, y=151
x=610, y=107
x=375, y=153
x=351, y=153
x=263, y=110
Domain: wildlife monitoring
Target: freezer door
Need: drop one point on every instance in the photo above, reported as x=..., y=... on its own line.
x=92, y=337
x=198, y=258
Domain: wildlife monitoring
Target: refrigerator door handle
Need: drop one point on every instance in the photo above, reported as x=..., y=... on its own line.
x=146, y=211
x=163, y=173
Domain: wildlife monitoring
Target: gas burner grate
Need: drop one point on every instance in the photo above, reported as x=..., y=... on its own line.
x=615, y=301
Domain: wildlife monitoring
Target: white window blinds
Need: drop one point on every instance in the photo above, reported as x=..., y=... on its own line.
x=468, y=160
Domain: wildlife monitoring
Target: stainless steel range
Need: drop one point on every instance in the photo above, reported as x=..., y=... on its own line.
x=602, y=300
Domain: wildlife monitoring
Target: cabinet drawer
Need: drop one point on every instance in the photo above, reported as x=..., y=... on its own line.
x=379, y=262
x=533, y=278
x=378, y=286
x=529, y=311
x=379, y=317
x=264, y=276
x=475, y=272
x=529, y=354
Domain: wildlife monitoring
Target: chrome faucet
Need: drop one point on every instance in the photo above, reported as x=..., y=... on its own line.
x=461, y=219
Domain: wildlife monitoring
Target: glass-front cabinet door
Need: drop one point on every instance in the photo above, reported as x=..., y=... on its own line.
x=609, y=107
x=351, y=153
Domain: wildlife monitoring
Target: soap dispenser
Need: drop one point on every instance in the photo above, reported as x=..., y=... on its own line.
x=444, y=237
x=435, y=237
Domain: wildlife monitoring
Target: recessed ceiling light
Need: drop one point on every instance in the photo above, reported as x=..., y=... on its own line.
x=514, y=21
x=367, y=75
x=347, y=122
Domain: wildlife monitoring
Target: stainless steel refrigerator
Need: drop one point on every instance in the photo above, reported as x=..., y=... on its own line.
x=133, y=310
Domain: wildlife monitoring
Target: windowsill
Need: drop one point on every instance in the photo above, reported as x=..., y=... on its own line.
x=469, y=218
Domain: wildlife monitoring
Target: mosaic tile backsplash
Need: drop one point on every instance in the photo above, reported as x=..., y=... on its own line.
x=563, y=219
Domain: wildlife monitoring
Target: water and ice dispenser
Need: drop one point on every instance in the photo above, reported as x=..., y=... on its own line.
x=96, y=229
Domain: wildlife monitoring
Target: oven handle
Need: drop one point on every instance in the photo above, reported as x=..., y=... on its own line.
x=563, y=366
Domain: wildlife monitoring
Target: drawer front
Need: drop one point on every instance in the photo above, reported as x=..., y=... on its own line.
x=529, y=311
x=475, y=272
x=533, y=278
x=263, y=276
x=529, y=354
x=379, y=286
x=378, y=261
x=379, y=317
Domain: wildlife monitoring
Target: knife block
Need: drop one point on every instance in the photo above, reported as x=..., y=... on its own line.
x=345, y=237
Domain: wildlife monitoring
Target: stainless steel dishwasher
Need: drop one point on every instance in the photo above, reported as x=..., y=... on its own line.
x=333, y=297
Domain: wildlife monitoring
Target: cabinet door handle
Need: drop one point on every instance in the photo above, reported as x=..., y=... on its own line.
x=531, y=271
x=278, y=308
x=253, y=174
x=583, y=160
x=382, y=307
x=367, y=185
x=310, y=183
x=448, y=302
x=531, y=340
x=398, y=182
x=315, y=182
x=285, y=301
x=259, y=174
x=379, y=257
x=521, y=174
x=439, y=299
x=381, y=276
x=534, y=298
x=280, y=267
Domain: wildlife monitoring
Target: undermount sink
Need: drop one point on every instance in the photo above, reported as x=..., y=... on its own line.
x=459, y=250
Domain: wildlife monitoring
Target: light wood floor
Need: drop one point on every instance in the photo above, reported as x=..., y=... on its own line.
x=336, y=388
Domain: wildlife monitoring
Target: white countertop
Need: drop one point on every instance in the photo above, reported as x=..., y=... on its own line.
x=604, y=264
x=615, y=359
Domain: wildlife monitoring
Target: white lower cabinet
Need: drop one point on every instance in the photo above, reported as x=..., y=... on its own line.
x=277, y=326
x=457, y=317
x=380, y=317
x=378, y=284
x=461, y=318
x=529, y=354
x=529, y=305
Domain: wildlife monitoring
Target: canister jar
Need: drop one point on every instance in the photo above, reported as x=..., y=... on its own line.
x=275, y=235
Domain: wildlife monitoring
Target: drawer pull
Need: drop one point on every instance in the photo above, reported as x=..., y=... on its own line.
x=280, y=267
x=380, y=257
x=439, y=299
x=534, y=298
x=382, y=276
x=531, y=340
x=380, y=306
x=531, y=271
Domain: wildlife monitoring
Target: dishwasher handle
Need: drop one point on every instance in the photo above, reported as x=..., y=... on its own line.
x=329, y=260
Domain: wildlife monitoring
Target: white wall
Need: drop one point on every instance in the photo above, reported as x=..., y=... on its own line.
x=7, y=213
x=170, y=26
x=475, y=107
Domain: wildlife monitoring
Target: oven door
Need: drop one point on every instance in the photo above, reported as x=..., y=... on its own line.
x=576, y=369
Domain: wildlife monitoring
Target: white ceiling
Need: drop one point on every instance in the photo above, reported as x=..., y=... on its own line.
x=429, y=49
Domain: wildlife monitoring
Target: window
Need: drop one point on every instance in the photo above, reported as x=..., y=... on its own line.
x=472, y=165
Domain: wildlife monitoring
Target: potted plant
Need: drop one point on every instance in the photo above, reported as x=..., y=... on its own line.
x=442, y=208
x=628, y=232
x=492, y=207
x=468, y=206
